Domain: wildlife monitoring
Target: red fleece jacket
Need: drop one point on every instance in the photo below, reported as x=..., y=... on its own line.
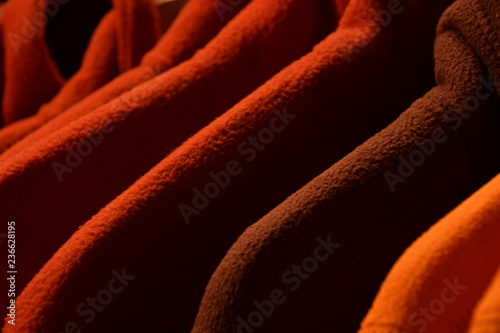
x=122, y=37
x=141, y=232
x=253, y=46
x=38, y=52
x=197, y=23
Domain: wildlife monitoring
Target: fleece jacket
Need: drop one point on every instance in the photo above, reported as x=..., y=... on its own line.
x=437, y=282
x=44, y=43
x=28, y=67
x=168, y=11
x=486, y=316
x=121, y=38
x=168, y=231
x=98, y=156
x=315, y=262
x=194, y=26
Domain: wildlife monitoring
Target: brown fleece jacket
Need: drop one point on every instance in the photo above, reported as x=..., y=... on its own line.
x=273, y=141
x=315, y=262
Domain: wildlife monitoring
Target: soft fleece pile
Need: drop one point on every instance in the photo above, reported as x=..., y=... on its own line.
x=317, y=260
x=182, y=187
x=39, y=56
x=321, y=88
x=486, y=317
x=193, y=28
x=440, y=278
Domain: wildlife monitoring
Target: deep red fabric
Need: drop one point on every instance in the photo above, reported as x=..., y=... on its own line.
x=194, y=92
x=143, y=230
x=197, y=23
x=122, y=37
x=31, y=76
x=75, y=214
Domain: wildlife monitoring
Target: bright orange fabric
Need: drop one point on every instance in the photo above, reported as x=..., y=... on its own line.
x=436, y=283
x=486, y=316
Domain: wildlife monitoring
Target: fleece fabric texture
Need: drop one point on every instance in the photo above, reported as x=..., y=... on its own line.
x=437, y=282
x=28, y=68
x=195, y=25
x=159, y=114
x=315, y=262
x=37, y=65
x=124, y=35
x=168, y=11
x=2, y=69
x=273, y=141
x=486, y=316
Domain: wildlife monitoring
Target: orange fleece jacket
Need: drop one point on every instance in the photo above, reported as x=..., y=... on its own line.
x=197, y=23
x=314, y=263
x=143, y=229
x=437, y=282
x=121, y=38
x=486, y=316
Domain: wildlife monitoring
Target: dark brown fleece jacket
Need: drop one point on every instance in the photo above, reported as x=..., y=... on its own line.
x=316, y=261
